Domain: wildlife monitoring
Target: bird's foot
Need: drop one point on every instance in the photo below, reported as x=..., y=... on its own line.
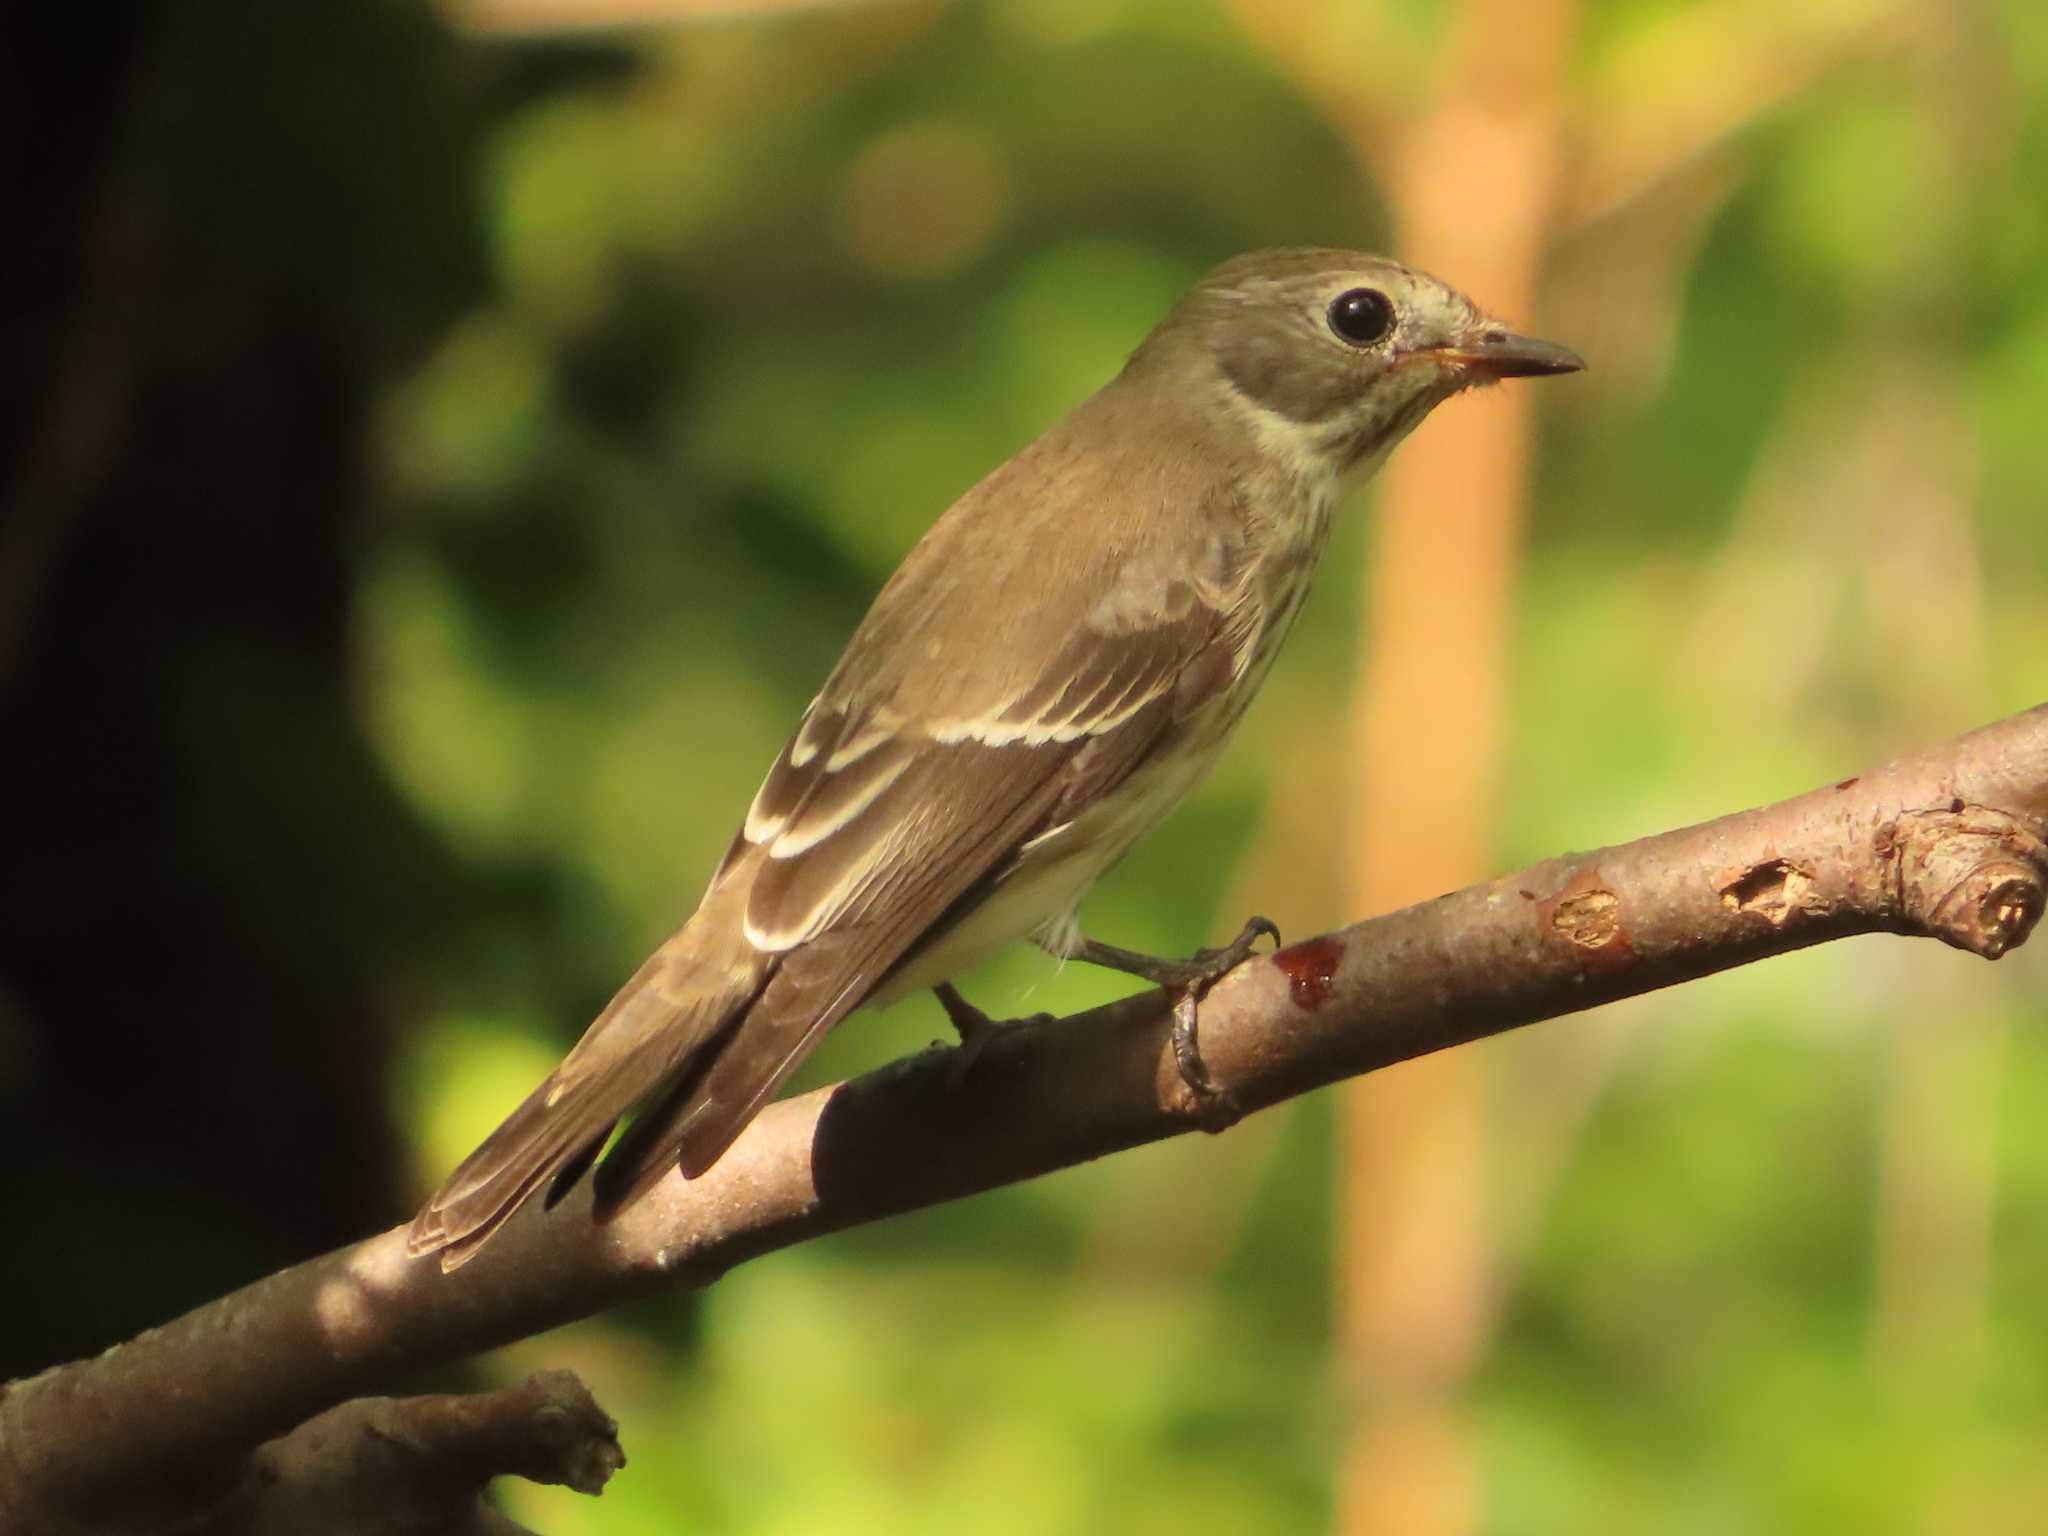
x=975, y=1028
x=1186, y=981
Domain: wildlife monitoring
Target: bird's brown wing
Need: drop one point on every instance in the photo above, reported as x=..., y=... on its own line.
x=867, y=834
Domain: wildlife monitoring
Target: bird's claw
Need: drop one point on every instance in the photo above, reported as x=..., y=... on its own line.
x=1186, y=982
x=1218, y=963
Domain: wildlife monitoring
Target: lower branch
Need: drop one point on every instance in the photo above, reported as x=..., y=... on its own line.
x=417, y=1466
x=1946, y=843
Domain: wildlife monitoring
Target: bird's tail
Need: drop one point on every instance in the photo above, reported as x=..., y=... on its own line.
x=658, y=1032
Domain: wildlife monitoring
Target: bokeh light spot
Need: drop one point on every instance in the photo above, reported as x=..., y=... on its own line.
x=922, y=200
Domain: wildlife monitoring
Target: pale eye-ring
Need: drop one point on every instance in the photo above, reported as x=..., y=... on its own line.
x=1362, y=316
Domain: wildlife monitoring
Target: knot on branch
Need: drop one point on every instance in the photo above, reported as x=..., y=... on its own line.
x=1776, y=889
x=1586, y=917
x=1969, y=875
x=554, y=1432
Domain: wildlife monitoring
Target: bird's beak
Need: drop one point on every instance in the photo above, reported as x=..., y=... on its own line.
x=1504, y=355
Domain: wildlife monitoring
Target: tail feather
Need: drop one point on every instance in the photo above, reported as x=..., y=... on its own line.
x=807, y=991
x=645, y=1152
x=570, y=1174
x=704, y=1110
x=651, y=1037
x=535, y=1141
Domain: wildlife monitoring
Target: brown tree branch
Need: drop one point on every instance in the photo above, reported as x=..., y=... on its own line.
x=1948, y=842
x=418, y=1466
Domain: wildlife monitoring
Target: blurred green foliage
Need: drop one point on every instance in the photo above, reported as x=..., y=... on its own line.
x=765, y=295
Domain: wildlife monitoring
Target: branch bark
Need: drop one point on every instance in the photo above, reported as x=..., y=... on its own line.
x=418, y=1466
x=1947, y=843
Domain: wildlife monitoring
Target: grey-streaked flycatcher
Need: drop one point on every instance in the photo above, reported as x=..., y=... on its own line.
x=1047, y=674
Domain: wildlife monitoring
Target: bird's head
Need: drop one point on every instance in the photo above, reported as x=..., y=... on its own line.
x=1334, y=356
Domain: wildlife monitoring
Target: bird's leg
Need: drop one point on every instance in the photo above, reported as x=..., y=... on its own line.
x=1185, y=982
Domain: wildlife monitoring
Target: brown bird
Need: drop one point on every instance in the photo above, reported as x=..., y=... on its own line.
x=1047, y=674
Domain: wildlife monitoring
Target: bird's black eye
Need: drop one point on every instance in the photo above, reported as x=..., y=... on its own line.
x=1362, y=316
